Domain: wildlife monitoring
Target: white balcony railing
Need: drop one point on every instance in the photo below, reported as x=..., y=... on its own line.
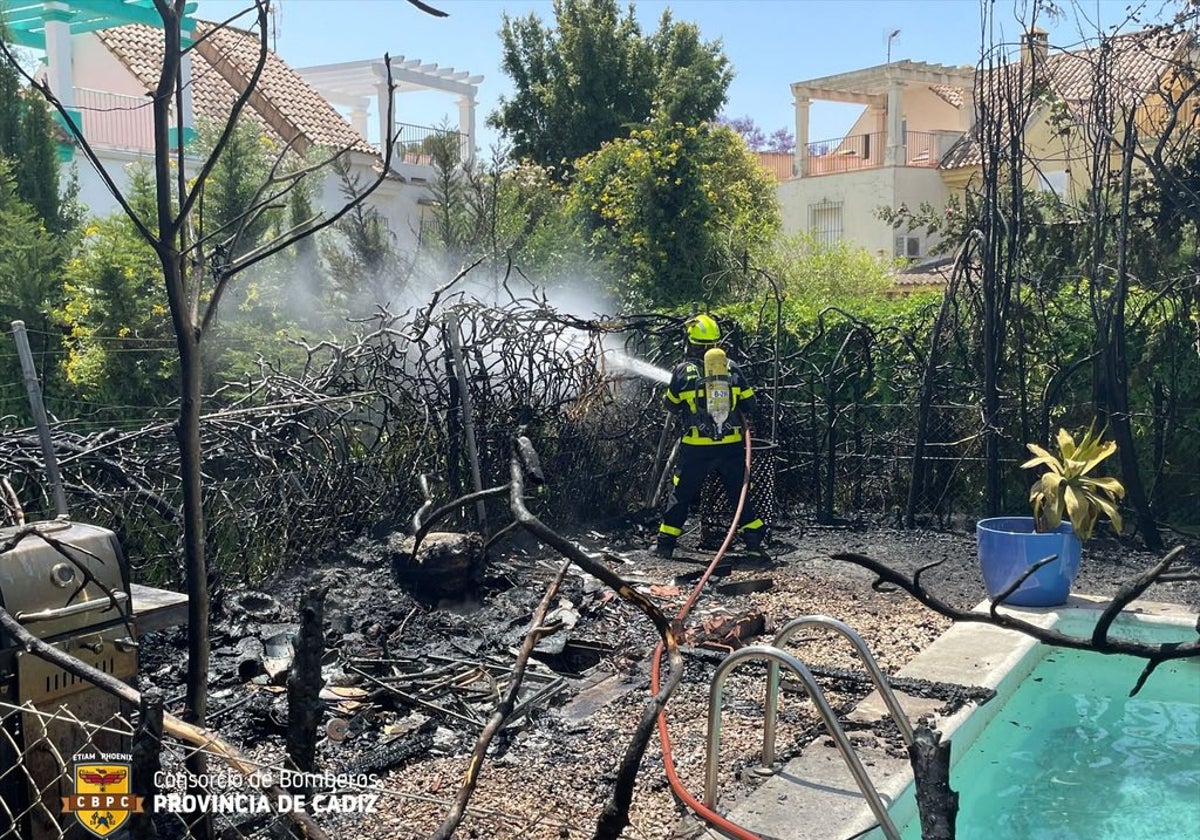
x=116, y=121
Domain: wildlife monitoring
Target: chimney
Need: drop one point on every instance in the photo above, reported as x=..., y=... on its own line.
x=1035, y=47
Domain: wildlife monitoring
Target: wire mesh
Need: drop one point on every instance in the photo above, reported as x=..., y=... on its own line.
x=716, y=510
x=55, y=760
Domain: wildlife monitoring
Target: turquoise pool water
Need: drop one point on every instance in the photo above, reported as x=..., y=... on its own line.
x=1070, y=756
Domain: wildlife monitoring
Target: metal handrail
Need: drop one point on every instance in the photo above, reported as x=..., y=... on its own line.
x=775, y=657
x=783, y=636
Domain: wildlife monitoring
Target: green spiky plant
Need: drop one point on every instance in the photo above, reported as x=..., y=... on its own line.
x=1066, y=490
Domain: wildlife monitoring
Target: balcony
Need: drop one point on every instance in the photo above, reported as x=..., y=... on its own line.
x=922, y=149
x=416, y=144
x=116, y=121
x=778, y=164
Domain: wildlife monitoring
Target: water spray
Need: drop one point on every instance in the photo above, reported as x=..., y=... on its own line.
x=637, y=366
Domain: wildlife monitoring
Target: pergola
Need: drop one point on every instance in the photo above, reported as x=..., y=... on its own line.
x=360, y=85
x=878, y=87
x=49, y=24
x=30, y=22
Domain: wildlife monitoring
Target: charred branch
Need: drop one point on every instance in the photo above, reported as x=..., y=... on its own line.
x=1100, y=642
x=500, y=715
x=304, y=683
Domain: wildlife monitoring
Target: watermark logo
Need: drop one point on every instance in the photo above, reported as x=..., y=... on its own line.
x=102, y=801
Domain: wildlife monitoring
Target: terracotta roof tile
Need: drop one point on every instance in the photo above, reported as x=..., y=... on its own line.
x=1138, y=63
x=284, y=105
x=952, y=95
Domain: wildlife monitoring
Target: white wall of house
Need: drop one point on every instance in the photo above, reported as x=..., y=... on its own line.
x=924, y=110
x=395, y=199
x=92, y=190
x=815, y=205
x=915, y=186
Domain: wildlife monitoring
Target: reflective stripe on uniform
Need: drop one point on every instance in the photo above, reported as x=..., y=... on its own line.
x=693, y=437
x=688, y=397
x=669, y=530
x=753, y=525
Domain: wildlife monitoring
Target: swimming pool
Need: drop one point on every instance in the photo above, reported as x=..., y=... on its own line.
x=1070, y=756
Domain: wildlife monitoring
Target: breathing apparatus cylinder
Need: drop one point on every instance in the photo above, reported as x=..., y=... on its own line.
x=717, y=389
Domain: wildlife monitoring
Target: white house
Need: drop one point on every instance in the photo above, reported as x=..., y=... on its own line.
x=103, y=59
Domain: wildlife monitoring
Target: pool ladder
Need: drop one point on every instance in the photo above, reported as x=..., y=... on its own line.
x=776, y=657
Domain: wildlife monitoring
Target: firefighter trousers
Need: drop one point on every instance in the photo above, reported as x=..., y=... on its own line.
x=696, y=463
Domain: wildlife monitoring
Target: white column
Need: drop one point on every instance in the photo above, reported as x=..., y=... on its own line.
x=896, y=153
x=358, y=119
x=381, y=102
x=58, y=54
x=466, y=127
x=187, y=120
x=802, y=104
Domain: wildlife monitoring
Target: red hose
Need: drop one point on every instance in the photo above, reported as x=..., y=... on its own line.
x=704, y=812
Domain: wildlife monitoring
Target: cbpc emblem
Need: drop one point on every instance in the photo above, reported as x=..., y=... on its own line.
x=102, y=801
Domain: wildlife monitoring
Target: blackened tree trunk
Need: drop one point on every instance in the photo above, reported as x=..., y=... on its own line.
x=937, y=802
x=304, y=682
x=1116, y=364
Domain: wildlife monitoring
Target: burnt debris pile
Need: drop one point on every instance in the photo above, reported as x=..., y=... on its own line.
x=355, y=435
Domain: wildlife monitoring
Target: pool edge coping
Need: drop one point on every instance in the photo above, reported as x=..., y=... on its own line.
x=953, y=657
x=1014, y=665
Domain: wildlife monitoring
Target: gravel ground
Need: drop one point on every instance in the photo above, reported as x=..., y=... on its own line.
x=550, y=776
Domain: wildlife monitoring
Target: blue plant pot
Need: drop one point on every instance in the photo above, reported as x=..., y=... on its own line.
x=1008, y=545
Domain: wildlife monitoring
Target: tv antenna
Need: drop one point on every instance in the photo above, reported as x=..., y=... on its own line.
x=275, y=14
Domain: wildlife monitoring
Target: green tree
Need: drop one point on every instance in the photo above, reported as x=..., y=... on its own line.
x=675, y=209
x=360, y=254
x=27, y=139
x=691, y=77
x=534, y=225
x=37, y=178
x=819, y=275
x=232, y=213
x=30, y=256
x=120, y=343
x=37, y=224
x=11, y=105
x=595, y=75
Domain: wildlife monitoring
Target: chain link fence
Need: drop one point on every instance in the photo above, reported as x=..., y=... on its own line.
x=74, y=771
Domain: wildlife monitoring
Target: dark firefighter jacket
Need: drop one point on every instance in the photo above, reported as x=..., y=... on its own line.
x=685, y=397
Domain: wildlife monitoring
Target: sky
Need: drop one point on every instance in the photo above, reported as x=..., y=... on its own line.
x=770, y=43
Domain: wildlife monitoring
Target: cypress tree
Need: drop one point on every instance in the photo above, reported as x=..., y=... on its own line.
x=37, y=173
x=10, y=109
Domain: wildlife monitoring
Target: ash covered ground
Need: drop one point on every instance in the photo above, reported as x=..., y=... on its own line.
x=551, y=771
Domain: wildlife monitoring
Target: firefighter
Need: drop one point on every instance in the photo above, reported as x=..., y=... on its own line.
x=714, y=403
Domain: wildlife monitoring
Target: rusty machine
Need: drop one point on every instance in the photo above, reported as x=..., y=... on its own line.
x=68, y=584
x=72, y=591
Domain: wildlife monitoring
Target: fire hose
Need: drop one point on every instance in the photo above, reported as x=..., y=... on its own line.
x=701, y=810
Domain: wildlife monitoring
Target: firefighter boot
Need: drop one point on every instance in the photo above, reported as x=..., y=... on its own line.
x=754, y=540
